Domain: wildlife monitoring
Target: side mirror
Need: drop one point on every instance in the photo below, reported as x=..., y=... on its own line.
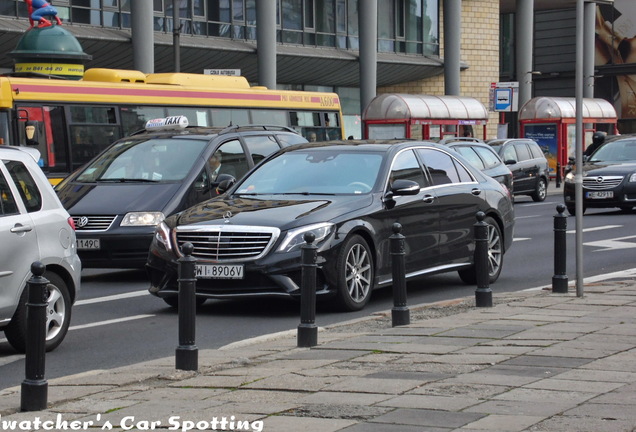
x=404, y=187
x=31, y=132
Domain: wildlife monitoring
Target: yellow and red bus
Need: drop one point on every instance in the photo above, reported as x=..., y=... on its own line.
x=72, y=121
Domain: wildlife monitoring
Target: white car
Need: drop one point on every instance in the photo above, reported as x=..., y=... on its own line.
x=34, y=226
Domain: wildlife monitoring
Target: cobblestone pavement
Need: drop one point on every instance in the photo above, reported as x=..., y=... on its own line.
x=535, y=361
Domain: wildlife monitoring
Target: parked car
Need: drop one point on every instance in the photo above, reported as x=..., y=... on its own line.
x=455, y=139
x=609, y=177
x=34, y=227
x=528, y=164
x=483, y=157
x=348, y=194
x=120, y=196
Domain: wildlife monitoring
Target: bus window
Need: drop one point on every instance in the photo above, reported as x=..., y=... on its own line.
x=307, y=119
x=226, y=117
x=92, y=114
x=88, y=141
x=270, y=117
x=134, y=118
x=196, y=117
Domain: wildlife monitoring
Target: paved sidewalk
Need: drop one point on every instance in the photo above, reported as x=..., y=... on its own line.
x=535, y=361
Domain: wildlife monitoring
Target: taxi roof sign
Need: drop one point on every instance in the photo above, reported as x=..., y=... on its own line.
x=172, y=122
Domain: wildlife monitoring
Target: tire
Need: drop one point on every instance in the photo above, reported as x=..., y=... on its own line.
x=173, y=301
x=541, y=191
x=355, y=270
x=495, y=256
x=58, y=315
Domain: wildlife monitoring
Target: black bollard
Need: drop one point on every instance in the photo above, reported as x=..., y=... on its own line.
x=560, y=278
x=34, y=387
x=483, y=293
x=400, y=314
x=187, y=353
x=307, y=331
x=558, y=175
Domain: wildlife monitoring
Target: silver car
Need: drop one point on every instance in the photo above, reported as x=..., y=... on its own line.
x=34, y=226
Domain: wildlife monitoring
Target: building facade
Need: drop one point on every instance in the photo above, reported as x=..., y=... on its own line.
x=318, y=43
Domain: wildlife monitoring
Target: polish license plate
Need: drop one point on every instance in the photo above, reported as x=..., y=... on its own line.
x=85, y=244
x=599, y=194
x=218, y=271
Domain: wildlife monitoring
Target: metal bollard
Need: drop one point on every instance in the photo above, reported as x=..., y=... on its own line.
x=187, y=352
x=483, y=293
x=560, y=278
x=558, y=175
x=35, y=387
x=400, y=314
x=307, y=331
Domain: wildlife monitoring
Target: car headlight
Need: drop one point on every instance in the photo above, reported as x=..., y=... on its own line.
x=142, y=219
x=295, y=238
x=162, y=236
x=632, y=178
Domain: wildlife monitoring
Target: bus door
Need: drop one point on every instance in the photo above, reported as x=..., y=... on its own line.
x=91, y=129
x=49, y=136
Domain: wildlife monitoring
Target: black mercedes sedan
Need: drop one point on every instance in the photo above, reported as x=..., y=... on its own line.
x=609, y=178
x=247, y=242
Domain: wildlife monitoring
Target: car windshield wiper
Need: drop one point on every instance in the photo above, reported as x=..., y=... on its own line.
x=127, y=180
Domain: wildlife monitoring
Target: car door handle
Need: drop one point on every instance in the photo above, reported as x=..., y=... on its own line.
x=428, y=199
x=476, y=191
x=19, y=228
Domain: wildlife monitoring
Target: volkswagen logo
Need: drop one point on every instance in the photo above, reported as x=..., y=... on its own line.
x=227, y=216
x=82, y=222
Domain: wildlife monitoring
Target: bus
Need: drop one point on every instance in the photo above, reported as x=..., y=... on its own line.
x=70, y=122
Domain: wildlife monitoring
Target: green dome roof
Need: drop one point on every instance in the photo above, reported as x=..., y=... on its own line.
x=52, y=42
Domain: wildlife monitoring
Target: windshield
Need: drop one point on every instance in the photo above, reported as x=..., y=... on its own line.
x=315, y=171
x=615, y=151
x=154, y=160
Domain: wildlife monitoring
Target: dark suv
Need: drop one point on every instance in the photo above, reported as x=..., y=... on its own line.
x=528, y=164
x=118, y=198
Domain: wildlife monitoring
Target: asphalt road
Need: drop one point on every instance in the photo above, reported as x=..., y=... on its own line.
x=116, y=322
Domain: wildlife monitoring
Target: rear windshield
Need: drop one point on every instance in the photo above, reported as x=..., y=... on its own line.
x=153, y=160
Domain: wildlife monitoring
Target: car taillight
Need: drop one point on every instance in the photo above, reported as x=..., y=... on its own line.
x=71, y=223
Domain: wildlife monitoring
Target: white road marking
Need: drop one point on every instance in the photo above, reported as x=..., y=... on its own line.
x=629, y=273
x=521, y=239
x=112, y=297
x=108, y=322
x=599, y=228
x=613, y=244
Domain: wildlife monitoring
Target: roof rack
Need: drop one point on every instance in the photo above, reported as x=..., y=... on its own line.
x=235, y=128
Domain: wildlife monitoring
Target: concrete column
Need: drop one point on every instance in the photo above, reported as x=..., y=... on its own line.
x=589, y=29
x=368, y=25
x=452, y=46
x=266, y=42
x=176, y=35
x=524, y=36
x=142, y=35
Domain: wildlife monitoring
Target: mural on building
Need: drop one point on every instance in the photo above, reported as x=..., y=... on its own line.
x=616, y=56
